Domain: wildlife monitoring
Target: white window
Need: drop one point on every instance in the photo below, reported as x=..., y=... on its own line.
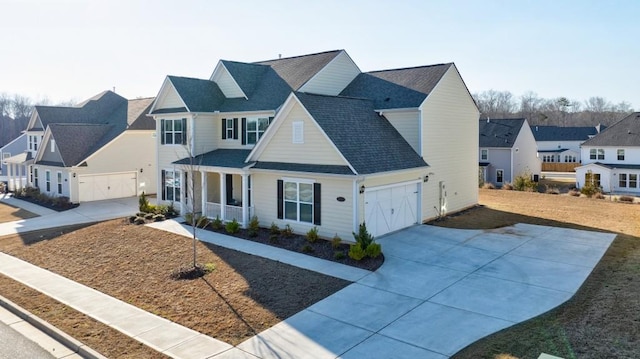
x=5, y=155
x=596, y=154
x=47, y=178
x=171, y=185
x=33, y=142
x=53, y=145
x=229, y=133
x=621, y=155
x=499, y=176
x=298, y=132
x=633, y=180
x=35, y=177
x=298, y=201
x=173, y=132
x=622, y=180
x=255, y=129
x=59, y=178
x=484, y=154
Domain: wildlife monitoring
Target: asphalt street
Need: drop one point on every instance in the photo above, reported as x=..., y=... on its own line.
x=14, y=345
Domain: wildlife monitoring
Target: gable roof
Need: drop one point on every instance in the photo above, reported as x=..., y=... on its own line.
x=625, y=132
x=558, y=133
x=499, y=132
x=198, y=95
x=137, y=118
x=297, y=70
x=397, y=88
x=77, y=141
x=368, y=142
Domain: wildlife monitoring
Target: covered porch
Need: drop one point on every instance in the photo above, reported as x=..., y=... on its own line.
x=17, y=171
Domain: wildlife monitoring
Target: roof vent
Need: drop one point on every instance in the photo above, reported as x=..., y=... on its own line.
x=387, y=99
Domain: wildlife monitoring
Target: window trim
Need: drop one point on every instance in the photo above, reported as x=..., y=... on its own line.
x=176, y=191
x=258, y=133
x=622, y=180
x=486, y=152
x=59, y=180
x=35, y=177
x=316, y=198
x=47, y=180
x=620, y=153
x=502, y=171
x=164, y=132
x=297, y=132
x=633, y=182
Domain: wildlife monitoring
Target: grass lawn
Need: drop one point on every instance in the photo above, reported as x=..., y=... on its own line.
x=243, y=296
x=603, y=319
x=9, y=213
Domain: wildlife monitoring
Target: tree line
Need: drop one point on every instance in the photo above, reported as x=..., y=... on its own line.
x=560, y=111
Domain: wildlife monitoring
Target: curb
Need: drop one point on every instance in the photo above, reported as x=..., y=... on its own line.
x=55, y=333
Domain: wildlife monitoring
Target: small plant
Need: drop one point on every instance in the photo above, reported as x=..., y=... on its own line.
x=589, y=189
x=232, y=227
x=209, y=267
x=188, y=217
x=336, y=241
x=574, y=193
x=507, y=186
x=373, y=250
x=339, y=255
x=312, y=235
x=356, y=252
x=363, y=238
x=274, y=229
x=365, y=245
x=217, y=223
x=488, y=185
x=307, y=249
x=273, y=238
x=287, y=232
x=143, y=203
x=254, y=227
x=524, y=182
x=171, y=211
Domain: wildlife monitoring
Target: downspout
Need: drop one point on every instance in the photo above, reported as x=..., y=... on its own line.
x=356, y=202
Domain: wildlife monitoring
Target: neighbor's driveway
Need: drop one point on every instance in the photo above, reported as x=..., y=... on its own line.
x=438, y=291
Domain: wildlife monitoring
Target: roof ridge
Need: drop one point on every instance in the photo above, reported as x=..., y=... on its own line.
x=409, y=68
x=187, y=77
x=334, y=96
x=297, y=56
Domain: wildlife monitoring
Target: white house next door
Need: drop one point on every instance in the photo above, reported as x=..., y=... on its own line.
x=391, y=208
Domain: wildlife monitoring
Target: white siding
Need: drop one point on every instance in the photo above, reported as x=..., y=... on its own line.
x=450, y=145
x=227, y=84
x=525, y=153
x=334, y=77
x=167, y=154
x=316, y=148
x=336, y=217
x=631, y=155
x=169, y=98
x=67, y=181
x=408, y=124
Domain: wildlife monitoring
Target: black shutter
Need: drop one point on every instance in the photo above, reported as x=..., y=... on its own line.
x=162, y=184
x=270, y=120
x=316, y=204
x=186, y=185
x=235, y=128
x=244, y=131
x=162, y=133
x=224, y=128
x=229, y=188
x=184, y=131
x=280, y=199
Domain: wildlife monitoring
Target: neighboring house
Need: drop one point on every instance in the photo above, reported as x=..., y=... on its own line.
x=611, y=159
x=558, y=144
x=312, y=141
x=103, y=148
x=507, y=150
x=12, y=148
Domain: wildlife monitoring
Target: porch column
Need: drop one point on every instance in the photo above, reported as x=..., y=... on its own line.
x=223, y=195
x=19, y=186
x=10, y=177
x=245, y=200
x=203, y=177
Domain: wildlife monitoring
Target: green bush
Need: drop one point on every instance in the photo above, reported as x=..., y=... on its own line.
x=339, y=255
x=274, y=229
x=524, y=182
x=307, y=249
x=287, y=232
x=312, y=235
x=373, y=250
x=143, y=203
x=589, y=189
x=254, y=227
x=273, y=238
x=217, y=224
x=363, y=238
x=336, y=241
x=188, y=217
x=232, y=227
x=356, y=252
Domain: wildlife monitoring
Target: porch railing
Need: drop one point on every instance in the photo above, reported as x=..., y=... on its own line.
x=213, y=210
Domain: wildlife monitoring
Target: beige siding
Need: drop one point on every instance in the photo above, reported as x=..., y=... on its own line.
x=316, y=148
x=169, y=98
x=408, y=124
x=131, y=151
x=334, y=77
x=231, y=143
x=450, y=145
x=207, y=133
x=227, y=84
x=336, y=216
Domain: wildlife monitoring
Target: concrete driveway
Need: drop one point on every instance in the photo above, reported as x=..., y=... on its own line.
x=438, y=291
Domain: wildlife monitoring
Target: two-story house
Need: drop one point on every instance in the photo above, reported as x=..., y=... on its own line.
x=507, y=150
x=559, y=147
x=102, y=148
x=312, y=141
x=611, y=159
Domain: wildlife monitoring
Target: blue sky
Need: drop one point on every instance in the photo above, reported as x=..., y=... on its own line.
x=71, y=50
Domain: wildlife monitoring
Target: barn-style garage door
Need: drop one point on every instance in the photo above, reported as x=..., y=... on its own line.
x=107, y=186
x=390, y=208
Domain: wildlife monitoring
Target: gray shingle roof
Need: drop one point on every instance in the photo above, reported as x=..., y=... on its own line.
x=297, y=70
x=137, y=114
x=77, y=141
x=303, y=167
x=398, y=88
x=625, y=132
x=218, y=158
x=367, y=141
x=199, y=95
x=98, y=109
x=500, y=132
x=558, y=133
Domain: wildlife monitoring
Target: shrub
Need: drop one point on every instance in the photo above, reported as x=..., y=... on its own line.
x=488, y=185
x=232, y=227
x=143, y=203
x=274, y=229
x=524, y=182
x=551, y=190
x=628, y=199
x=339, y=255
x=336, y=241
x=217, y=223
x=307, y=249
x=287, y=232
x=171, y=211
x=363, y=238
x=161, y=209
x=312, y=235
x=356, y=252
x=373, y=250
x=188, y=217
x=254, y=227
x=574, y=192
x=507, y=186
x=273, y=238
x=589, y=189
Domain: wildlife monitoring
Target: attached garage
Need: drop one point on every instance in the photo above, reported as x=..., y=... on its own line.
x=107, y=186
x=390, y=208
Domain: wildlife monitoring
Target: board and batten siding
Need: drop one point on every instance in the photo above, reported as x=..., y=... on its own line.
x=169, y=98
x=333, y=78
x=407, y=123
x=226, y=83
x=336, y=217
x=316, y=148
x=450, y=146
x=385, y=180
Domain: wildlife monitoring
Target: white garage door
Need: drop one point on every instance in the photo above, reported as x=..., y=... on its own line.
x=107, y=186
x=391, y=208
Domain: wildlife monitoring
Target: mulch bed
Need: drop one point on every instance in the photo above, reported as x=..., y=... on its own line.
x=47, y=204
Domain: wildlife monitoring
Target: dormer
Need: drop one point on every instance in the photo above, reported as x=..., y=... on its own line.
x=227, y=84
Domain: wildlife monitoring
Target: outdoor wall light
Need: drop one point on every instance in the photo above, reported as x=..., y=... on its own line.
x=362, y=189
x=74, y=175
x=141, y=170
x=426, y=179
